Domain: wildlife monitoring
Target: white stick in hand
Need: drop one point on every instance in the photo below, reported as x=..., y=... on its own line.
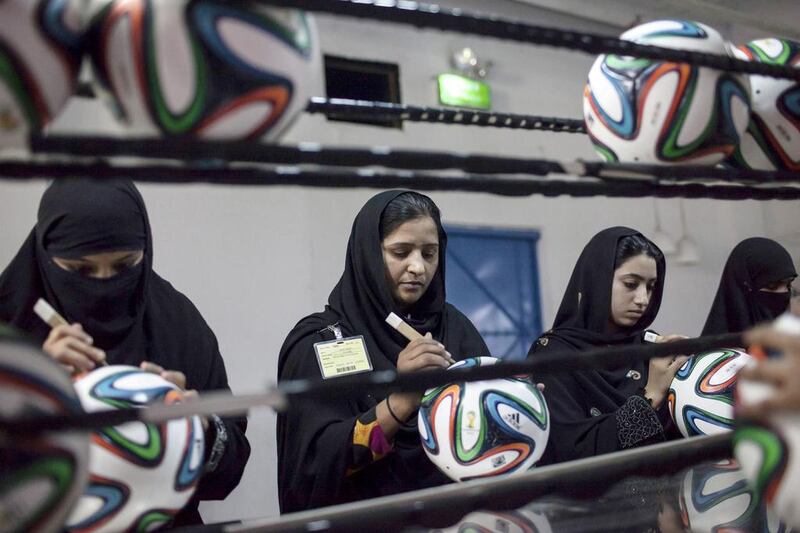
x=46, y=312
x=402, y=326
x=408, y=332
x=51, y=317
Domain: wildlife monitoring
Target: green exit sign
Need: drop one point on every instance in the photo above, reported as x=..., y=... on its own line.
x=455, y=90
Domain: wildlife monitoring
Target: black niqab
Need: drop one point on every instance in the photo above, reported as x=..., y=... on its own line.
x=739, y=304
x=135, y=315
x=314, y=440
x=78, y=218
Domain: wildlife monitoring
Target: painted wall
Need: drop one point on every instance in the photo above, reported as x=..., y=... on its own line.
x=255, y=260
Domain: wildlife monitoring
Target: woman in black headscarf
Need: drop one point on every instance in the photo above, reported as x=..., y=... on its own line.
x=352, y=449
x=90, y=256
x=755, y=287
x=613, y=295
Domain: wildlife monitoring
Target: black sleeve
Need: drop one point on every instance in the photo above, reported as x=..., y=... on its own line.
x=219, y=482
x=314, y=440
x=579, y=430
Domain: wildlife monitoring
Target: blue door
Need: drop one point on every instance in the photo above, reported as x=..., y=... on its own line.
x=493, y=278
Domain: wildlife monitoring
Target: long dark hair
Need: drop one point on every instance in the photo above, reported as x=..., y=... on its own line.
x=408, y=206
x=633, y=245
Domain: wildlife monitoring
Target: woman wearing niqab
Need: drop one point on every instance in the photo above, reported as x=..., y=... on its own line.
x=131, y=317
x=755, y=287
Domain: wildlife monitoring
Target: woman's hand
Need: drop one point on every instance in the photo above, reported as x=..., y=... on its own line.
x=173, y=376
x=662, y=371
x=177, y=378
x=419, y=354
x=423, y=353
x=72, y=347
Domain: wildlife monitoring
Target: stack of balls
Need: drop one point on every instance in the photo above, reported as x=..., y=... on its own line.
x=41, y=475
x=643, y=111
x=205, y=69
x=769, y=450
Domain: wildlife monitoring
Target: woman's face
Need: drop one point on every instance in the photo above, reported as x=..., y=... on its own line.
x=411, y=257
x=631, y=290
x=103, y=265
x=784, y=285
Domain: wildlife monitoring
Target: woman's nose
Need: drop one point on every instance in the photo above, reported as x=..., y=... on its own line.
x=642, y=296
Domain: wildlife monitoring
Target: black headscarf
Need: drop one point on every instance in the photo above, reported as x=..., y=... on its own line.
x=134, y=316
x=74, y=220
x=739, y=304
x=583, y=404
x=582, y=318
x=314, y=440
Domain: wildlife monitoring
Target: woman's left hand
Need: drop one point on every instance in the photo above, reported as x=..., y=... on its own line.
x=662, y=371
x=173, y=376
x=178, y=378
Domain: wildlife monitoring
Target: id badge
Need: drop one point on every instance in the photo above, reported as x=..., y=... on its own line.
x=342, y=357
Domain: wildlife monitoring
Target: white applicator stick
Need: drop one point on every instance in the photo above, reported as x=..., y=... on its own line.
x=51, y=317
x=407, y=331
x=46, y=312
x=402, y=326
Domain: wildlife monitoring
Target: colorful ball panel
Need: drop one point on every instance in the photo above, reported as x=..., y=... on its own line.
x=716, y=497
x=208, y=69
x=139, y=473
x=41, y=477
x=644, y=111
x=772, y=139
x=487, y=428
x=769, y=452
x=40, y=47
x=701, y=395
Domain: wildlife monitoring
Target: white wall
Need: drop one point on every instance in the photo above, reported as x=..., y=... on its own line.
x=255, y=260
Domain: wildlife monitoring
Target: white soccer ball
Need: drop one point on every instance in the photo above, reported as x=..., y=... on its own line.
x=41, y=476
x=772, y=139
x=769, y=450
x=207, y=69
x=716, y=497
x=642, y=111
x=485, y=428
x=40, y=53
x=141, y=474
x=701, y=394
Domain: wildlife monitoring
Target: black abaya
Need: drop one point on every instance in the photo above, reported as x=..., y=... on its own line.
x=598, y=411
x=314, y=440
x=134, y=316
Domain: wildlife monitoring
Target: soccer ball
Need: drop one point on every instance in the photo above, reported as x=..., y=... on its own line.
x=485, y=428
x=208, y=69
x=41, y=476
x=519, y=521
x=701, y=394
x=772, y=139
x=643, y=111
x=769, y=452
x=40, y=52
x=141, y=474
x=716, y=497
